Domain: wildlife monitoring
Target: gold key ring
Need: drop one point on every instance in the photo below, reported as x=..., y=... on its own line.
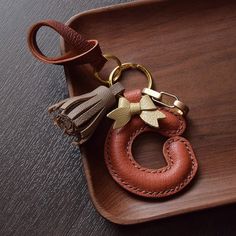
x=116, y=73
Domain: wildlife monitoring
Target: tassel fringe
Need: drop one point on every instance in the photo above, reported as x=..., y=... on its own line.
x=79, y=116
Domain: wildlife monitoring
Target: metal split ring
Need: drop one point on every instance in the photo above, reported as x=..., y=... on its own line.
x=116, y=73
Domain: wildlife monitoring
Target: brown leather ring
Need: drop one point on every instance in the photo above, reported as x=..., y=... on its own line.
x=82, y=51
x=153, y=183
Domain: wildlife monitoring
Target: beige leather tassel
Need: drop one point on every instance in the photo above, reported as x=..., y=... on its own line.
x=80, y=115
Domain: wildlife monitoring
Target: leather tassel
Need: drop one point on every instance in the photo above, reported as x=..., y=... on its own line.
x=79, y=116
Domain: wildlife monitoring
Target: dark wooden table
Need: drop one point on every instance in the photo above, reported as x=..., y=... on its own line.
x=42, y=186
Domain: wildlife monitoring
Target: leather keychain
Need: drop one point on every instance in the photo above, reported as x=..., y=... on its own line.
x=136, y=113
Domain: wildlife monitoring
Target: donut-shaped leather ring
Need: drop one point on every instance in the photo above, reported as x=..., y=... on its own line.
x=152, y=183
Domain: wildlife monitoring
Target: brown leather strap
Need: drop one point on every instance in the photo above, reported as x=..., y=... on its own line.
x=81, y=51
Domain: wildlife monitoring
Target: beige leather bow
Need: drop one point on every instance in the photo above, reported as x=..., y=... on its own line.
x=146, y=109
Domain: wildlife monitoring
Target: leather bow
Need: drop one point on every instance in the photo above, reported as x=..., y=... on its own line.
x=146, y=109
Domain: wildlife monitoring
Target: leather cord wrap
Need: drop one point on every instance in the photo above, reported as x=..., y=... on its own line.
x=82, y=51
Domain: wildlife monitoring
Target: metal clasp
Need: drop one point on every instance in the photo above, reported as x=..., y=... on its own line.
x=171, y=101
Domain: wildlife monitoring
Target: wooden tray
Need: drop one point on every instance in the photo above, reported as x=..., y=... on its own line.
x=190, y=47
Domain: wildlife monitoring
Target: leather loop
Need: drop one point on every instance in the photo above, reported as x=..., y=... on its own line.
x=81, y=51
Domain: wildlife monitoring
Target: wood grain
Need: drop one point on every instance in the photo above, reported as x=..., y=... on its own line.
x=42, y=186
x=184, y=44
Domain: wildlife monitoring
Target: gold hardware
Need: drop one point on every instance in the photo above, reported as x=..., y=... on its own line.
x=146, y=109
x=173, y=101
x=116, y=73
x=168, y=95
x=181, y=107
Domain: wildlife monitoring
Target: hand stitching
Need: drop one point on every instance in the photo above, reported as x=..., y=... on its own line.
x=160, y=193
